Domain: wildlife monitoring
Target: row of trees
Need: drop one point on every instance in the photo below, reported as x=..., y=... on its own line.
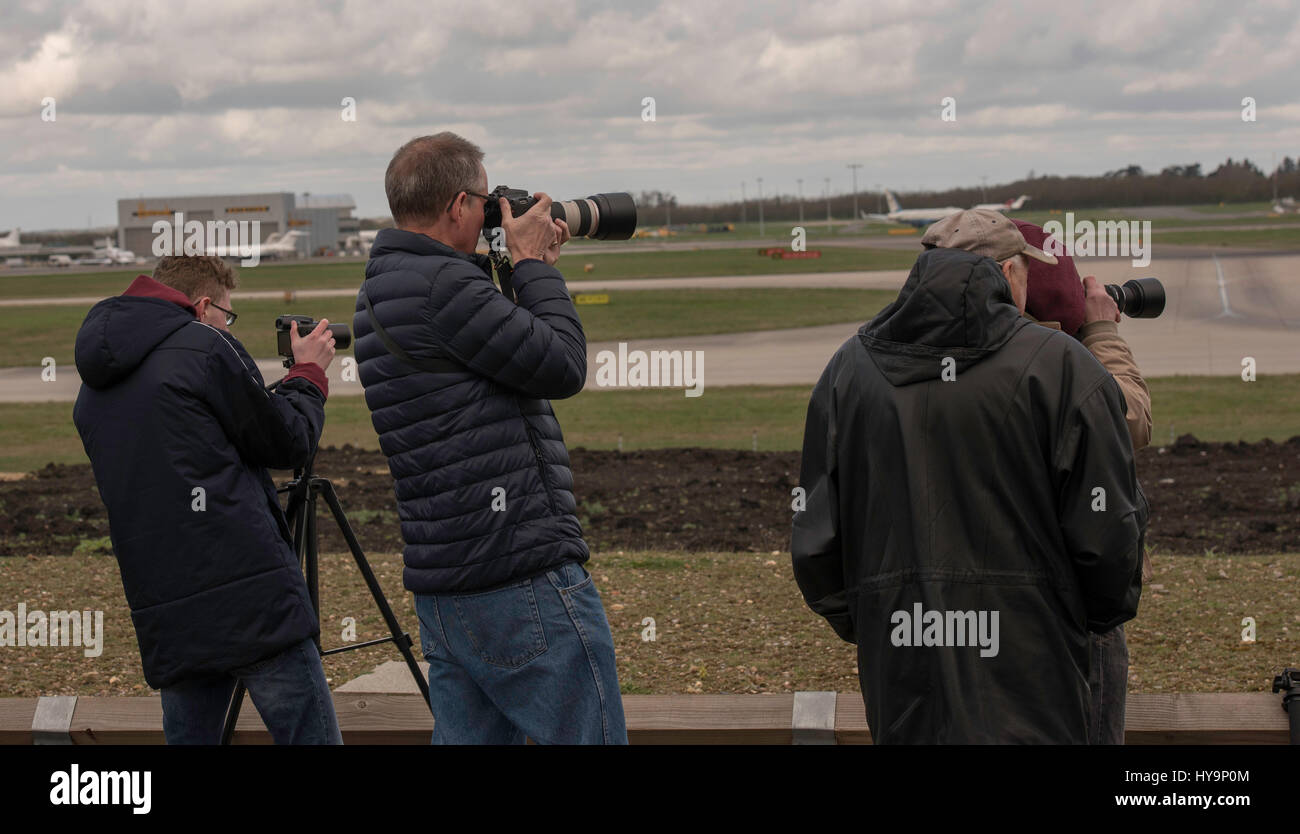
x=1234, y=181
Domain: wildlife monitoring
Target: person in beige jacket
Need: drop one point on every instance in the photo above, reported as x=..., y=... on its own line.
x=1060, y=299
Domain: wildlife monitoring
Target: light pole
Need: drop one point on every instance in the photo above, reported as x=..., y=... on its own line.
x=800, y=201
x=828, y=201
x=854, y=167
x=760, y=206
x=743, y=217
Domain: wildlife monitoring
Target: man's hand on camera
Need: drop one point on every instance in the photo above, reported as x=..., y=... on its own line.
x=534, y=234
x=552, y=253
x=317, y=346
x=1097, y=303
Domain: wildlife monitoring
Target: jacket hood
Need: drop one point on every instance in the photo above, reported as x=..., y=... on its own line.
x=119, y=332
x=954, y=304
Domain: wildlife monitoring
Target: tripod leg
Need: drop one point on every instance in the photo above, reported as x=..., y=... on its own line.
x=312, y=564
x=401, y=638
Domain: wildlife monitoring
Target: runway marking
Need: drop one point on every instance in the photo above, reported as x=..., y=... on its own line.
x=1223, y=293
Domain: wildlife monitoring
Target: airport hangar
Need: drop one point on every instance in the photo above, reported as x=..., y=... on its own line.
x=326, y=218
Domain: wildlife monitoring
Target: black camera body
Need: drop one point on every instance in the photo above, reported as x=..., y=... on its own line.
x=609, y=216
x=306, y=324
x=1141, y=298
x=518, y=199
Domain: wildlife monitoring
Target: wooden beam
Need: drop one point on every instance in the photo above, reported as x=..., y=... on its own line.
x=1153, y=718
x=16, y=720
x=1206, y=718
x=709, y=719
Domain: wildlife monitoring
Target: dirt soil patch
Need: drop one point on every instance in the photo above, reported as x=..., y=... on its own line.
x=1216, y=498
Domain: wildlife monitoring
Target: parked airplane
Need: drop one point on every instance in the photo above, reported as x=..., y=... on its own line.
x=12, y=246
x=1009, y=205
x=925, y=216
x=279, y=245
x=1286, y=205
x=914, y=217
x=107, y=254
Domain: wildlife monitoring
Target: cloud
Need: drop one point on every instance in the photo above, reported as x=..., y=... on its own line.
x=167, y=95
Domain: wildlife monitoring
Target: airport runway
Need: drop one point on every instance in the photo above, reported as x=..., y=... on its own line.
x=1221, y=309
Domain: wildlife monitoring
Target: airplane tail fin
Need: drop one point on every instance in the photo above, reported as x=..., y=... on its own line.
x=892, y=201
x=12, y=238
x=1015, y=204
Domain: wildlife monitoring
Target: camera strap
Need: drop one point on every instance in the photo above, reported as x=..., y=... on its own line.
x=435, y=365
x=505, y=273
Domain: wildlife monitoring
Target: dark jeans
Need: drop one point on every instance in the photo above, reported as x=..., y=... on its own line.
x=1108, y=680
x=534, y=658
x=288, y=689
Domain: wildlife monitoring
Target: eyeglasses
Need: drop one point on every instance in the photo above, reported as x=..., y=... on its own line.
x=230, y=316
x=470, y=193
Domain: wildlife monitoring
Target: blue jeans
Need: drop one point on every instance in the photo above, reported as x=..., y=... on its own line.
x=534, y=658
x=1108, y=682
x=288, y=689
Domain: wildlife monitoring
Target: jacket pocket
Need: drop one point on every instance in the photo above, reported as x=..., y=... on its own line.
x=541, y=464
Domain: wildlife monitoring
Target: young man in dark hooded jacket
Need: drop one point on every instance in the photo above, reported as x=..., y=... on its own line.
x=972, y=510
x=180, y=432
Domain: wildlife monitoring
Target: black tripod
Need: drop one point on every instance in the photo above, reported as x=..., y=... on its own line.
x=1288, y=683
x=301, y=514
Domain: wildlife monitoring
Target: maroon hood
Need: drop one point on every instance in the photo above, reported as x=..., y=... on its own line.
x=1055, y=291
x=145, y=287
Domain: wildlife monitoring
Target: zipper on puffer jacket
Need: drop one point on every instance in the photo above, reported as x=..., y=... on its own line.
x=541, y=464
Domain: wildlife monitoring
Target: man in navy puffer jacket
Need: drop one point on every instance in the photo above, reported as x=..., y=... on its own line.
x=510, y=622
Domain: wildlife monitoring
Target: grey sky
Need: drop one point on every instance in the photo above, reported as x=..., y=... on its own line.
x=163, y=98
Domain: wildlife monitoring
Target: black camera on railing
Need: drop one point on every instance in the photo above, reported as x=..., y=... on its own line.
x=1141, y=298
x=602, y=216
x=306, y=324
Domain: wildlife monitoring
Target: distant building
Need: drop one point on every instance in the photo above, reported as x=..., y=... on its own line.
x=342, y=205
x=326, y=219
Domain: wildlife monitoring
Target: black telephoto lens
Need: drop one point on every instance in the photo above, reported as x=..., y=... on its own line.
x=609, y=216
x=601, y=216
x=1140, y=298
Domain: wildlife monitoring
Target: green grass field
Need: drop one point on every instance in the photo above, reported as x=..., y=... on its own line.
x=1231, y=208
x=1284, y=238
x=346, y=275
x=1161, y=223
x=49, y=330
x=1212, y=408
x=814, y=226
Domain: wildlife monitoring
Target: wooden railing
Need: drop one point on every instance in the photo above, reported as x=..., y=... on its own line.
x=802, y=718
